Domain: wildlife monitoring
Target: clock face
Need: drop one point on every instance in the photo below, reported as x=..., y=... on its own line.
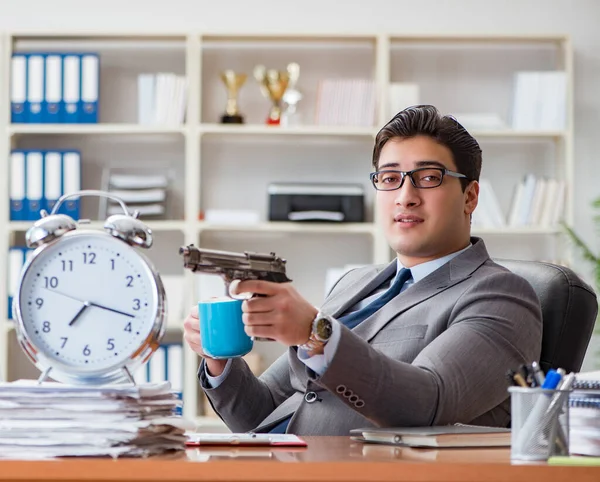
x=88, y=302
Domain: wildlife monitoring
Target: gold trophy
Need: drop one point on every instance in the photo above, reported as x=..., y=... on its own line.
x=273, y=84
x=233, y=82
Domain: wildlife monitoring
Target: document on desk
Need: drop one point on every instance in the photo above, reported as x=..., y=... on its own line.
x=254, y=439
x=55, y=420
x=455, y=436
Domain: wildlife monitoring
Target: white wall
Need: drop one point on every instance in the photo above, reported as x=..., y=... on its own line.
x=577, y=18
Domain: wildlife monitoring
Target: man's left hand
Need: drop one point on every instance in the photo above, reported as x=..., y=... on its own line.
x=282, y=314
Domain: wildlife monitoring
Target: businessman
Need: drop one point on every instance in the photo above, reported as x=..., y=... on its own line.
x=424, y=340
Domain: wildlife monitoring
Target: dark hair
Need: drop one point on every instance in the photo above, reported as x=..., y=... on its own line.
x=425, y=120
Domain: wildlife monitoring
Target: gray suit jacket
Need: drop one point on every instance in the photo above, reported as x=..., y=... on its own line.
x=436, y=354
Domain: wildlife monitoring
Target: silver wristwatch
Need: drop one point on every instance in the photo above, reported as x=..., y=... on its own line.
x=320, y=334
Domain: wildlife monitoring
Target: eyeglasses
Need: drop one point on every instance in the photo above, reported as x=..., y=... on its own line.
x=422, y=178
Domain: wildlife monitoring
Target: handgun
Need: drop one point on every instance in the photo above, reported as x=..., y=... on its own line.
x=234, y=266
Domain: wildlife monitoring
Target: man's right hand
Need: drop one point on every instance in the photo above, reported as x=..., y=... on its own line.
x=191, y=333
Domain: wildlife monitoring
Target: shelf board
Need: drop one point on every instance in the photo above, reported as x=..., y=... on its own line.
x=247, y=129
x=292, y=227
x=101, y=128
x=483, y=38
x=511, y=231
x=520, y=134
x=18, y=226
x=306, y=130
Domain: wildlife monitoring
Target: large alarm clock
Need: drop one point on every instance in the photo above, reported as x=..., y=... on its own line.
x=90, y=306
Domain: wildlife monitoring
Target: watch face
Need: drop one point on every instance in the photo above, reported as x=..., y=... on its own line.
x=88, y=302
x=324, y=329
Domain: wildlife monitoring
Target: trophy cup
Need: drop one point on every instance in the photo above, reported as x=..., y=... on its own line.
x=273, y=84
x=233, y=82
x=291, y=97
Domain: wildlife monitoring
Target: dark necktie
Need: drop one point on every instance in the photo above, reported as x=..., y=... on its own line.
x=353, y=319
x=356, y=317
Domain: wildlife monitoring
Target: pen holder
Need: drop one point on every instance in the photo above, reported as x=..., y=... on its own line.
x=540, y=423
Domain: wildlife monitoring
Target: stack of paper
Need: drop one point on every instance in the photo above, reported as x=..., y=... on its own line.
x=55, y=420
x=584, y=415
x=145, y=193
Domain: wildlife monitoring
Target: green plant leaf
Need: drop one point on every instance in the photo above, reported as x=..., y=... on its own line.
x=585, y=251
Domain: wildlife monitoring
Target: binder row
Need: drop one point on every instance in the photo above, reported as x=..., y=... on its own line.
x=54, y=88
x=17, y=257
x=584, y=402
x=586, y=385
x=39, y=178
x=166, y=364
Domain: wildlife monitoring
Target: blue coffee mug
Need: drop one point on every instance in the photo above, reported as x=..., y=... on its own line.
x=222, y=329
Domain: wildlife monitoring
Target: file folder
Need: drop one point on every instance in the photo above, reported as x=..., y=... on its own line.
x=35, y=180
x=174, y=370
x=90, y=71
x=17, y=186
x=71, y=177
x=18, y=88
x=52, y=179
x=16, y=257
x=53, y=86
x=35, y=88
x=71, y=87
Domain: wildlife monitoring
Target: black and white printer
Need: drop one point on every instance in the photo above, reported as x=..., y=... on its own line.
x=316, y=202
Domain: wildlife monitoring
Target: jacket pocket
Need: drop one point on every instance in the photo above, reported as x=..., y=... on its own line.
x=396, y=334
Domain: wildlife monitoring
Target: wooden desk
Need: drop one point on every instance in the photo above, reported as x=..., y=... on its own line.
x=326, y=459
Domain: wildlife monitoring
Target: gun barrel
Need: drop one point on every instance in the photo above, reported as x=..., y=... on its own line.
x=234, y=265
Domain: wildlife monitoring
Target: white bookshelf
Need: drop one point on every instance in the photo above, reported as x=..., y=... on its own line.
x=205, y=153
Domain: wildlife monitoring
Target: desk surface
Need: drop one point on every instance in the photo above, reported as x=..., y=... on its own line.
x=326, y=459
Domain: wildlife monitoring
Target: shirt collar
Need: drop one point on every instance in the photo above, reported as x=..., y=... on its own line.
x=422, y=270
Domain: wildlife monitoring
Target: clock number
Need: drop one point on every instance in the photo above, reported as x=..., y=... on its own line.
x=129, y=281
x=39, y=302
x=86, y=350
x=128, y=327
x=64, y=341
x=89, y=258
x=110, y=344
x=67, y=264
x=51, y=282
x=46, y=327
x=136, y=304
x=112, y=264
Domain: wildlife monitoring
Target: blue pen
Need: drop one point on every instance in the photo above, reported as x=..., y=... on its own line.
x=552, y=380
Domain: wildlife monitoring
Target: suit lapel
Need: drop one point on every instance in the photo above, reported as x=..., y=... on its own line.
x=456, y=270
x=358, y=289
x=426, y=288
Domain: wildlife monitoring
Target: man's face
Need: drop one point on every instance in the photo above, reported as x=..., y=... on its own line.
x=424, y=224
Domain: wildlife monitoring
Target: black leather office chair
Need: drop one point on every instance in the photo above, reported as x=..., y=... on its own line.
x=569, y=310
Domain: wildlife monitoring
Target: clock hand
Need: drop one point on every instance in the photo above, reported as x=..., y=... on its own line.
x=91, y=303
x=78, y=314
x=111, y=309
x=68, y=296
